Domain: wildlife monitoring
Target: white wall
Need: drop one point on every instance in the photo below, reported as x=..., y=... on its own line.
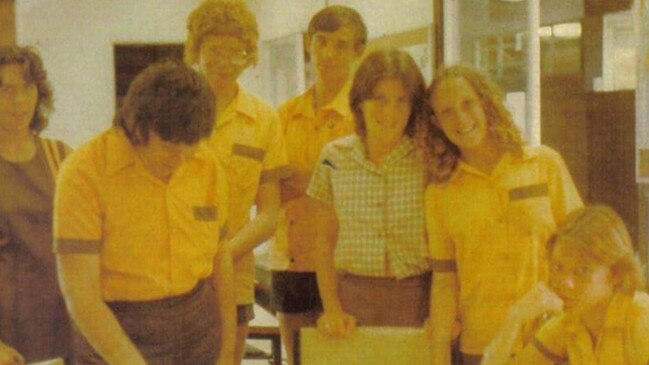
x=284, y=17
x=75, y=39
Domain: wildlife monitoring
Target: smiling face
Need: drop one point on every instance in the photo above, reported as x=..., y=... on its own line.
x=223, y=59
x=581, y=283
x=334, y=53
x=387, y=111
x=18, y=99
x=460, y=113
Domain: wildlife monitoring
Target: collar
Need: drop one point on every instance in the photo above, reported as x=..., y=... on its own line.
x=243, y=104
x=402, y=149
x=119, y=150
x=529, y=153
x=120, y=153
x=339, y=105
x=616, y=314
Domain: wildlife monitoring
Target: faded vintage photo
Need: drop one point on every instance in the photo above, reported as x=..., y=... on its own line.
x=319, y=182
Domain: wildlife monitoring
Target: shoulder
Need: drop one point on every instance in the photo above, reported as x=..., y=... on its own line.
x=541, y=153
x=342, y=146
x=261, y=104
x=292, y=106
x=61, y=147
x=91, y=155
x=639, y=309
x=256, y=107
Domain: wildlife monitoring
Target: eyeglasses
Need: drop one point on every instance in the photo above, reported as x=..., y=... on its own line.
x=234, y=57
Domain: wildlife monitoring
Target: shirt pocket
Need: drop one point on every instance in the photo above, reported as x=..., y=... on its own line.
x=246, y=164
x=207, y=213
x=529, y=208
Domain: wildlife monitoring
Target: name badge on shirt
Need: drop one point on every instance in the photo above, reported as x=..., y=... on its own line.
x=248, y=151
x=529, y=191
x=205, y=213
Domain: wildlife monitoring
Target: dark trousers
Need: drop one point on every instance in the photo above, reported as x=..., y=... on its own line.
x=172, y=331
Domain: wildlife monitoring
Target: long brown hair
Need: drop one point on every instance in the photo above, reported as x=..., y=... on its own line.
x=34, y=73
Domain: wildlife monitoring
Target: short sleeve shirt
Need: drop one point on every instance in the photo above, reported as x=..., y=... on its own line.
x=623, y=339
x=306, y=130
x=379, y=208
x=154, y=239
x=492, y=229
x=249, y=143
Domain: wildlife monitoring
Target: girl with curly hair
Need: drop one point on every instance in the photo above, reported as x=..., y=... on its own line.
x=494, y=201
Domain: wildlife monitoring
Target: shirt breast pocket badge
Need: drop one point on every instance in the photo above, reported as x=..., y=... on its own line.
x=529, y=207
x=206, y=213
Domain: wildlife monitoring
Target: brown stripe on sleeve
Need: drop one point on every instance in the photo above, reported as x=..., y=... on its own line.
x=248, y=151
x=72, y=246
x=276, y=174
x=547, y=353
x=444, y=266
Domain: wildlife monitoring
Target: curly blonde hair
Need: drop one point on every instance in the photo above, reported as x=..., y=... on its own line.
x=442, y=159
x=598, y=233
x=221, y=18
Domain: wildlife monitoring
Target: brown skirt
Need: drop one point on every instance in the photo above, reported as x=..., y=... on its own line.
x=385, y=301
x=178, y=330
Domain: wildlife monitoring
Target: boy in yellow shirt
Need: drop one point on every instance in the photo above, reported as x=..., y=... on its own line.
x=138, y=215
x=247, y=139
x=336, y=39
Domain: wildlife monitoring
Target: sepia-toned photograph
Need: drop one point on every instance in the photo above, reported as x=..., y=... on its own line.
x=324, y=182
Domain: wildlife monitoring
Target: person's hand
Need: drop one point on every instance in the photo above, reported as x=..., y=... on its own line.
x=9, y=356
x=336, y=324
x=428, y=329
x=538, y=301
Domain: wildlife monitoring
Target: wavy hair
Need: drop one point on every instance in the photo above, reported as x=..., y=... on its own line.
x=221, y=18
x=501, y=126
x=598, y=234
x=33, y=73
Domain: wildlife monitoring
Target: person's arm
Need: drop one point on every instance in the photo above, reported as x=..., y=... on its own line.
x=538, y=301
x=78, y=222
x=223, y=279
x=333, y=321
x=443, y=313
x=90, y=314
x=9, y=355
x=262, y=226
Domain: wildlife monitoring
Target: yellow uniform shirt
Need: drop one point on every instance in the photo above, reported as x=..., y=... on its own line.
x=306, y=131
x=623, y=340
x=492, y=231
x=154, y=239
x=248, y=141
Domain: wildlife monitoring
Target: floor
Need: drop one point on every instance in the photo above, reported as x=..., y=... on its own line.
x=262, y=318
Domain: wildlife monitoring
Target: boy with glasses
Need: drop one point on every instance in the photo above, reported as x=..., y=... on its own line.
x=222, y=43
